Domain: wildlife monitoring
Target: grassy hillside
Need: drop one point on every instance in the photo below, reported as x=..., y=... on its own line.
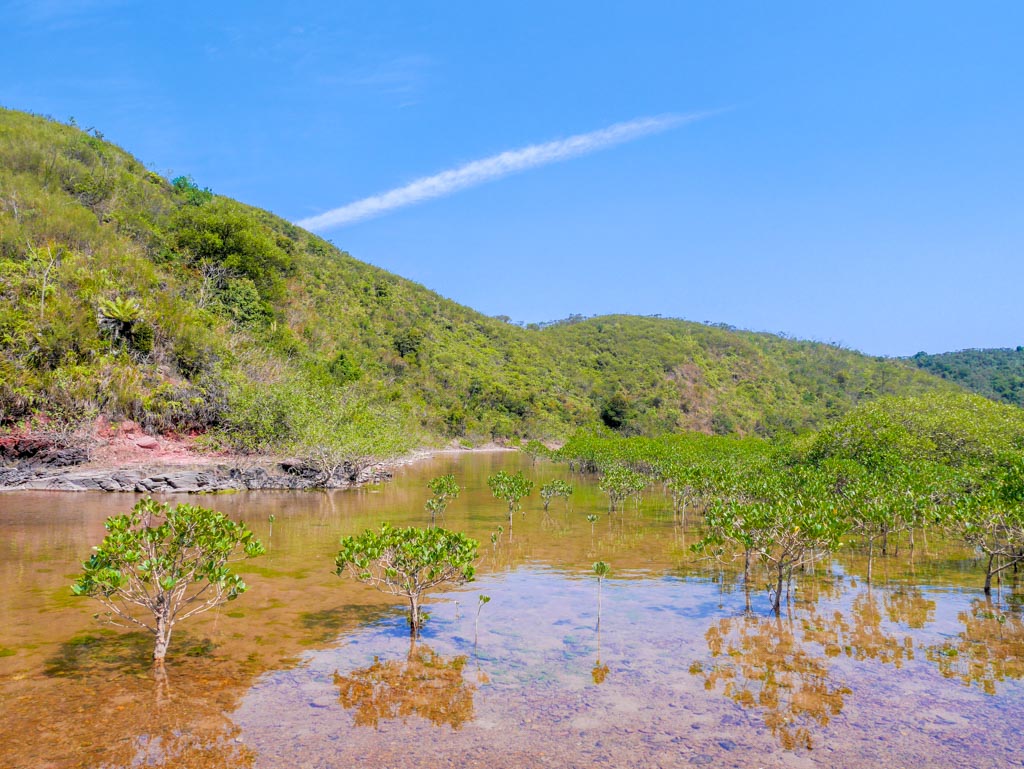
x=131, y=296
x=997, y=374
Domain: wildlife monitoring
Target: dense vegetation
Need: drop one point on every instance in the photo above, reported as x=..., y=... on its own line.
x=997, y=374
x=887, y=470
x=127, y=295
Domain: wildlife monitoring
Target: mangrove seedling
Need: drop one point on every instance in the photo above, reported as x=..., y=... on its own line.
x=444, y=489
x=593, y=519
x=602, y=570
x=480, y=601
x=556, y=488
x=619, y=483
x=167, y=564
x=536, y=449
x=510, y=488
x=407, y=562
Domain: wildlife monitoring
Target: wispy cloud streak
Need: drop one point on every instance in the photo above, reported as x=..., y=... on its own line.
x=495, y=167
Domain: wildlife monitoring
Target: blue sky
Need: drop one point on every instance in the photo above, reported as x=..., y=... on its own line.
x=861, y=179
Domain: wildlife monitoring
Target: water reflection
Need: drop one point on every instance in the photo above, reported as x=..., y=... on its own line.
x=782, y=666
x=425, y=684
x=989, y=650
x=861, y=636
x=111, y=708
x=762, y=662
x=908, y=605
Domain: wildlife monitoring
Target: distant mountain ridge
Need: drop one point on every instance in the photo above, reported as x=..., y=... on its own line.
x=996, y=373
x=127, y=295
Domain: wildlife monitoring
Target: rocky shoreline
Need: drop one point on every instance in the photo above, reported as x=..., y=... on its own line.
x=41, y=464
x=34, y=463
x=202, y=479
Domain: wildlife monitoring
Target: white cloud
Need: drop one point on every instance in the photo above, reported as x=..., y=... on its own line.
x=495, y=167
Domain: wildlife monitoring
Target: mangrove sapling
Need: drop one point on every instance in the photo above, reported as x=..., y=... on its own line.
x=511, y=489
x=602, y=570
x=599, y=671
x=992, y=521
x=535, y=450
x=444, y=489
x=790, y=520
x=408, y=562
x=593, y=520
x=875, y=505
x=681, y=492
x=620, y=483
x=170, y=563
x=555, y=488
x=481, y=600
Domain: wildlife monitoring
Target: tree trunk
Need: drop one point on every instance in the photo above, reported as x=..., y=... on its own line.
x=871, y=556
x=988, y=574
x=777, y=601
x=414, y=615
x=163, y=638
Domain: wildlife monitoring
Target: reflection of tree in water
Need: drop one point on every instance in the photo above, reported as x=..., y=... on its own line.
x=989, y=650
x=781, y=665
x=101, y=703
x=862, y=637
x=762, y=663
x=186, y=750
x=425, y=684
x=908, y=605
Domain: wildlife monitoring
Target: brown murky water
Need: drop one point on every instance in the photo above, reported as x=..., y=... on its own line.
x=309, y=670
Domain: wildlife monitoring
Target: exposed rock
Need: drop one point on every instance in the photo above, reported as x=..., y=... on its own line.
x=39, y=450
x=147, y=442
x=182, y=481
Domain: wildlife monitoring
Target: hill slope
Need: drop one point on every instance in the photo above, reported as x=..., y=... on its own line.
x=997, y=374
x=127, y=295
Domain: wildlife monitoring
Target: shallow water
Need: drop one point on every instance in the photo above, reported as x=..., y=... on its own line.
x=309, y=670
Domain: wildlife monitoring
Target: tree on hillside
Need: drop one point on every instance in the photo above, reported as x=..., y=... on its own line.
x=340, y=432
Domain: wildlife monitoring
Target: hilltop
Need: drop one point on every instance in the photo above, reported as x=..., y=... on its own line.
x=128, y=296
x=997, y=374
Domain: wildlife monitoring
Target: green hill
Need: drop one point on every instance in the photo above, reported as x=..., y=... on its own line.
x=131, y=296
x=997, y=374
